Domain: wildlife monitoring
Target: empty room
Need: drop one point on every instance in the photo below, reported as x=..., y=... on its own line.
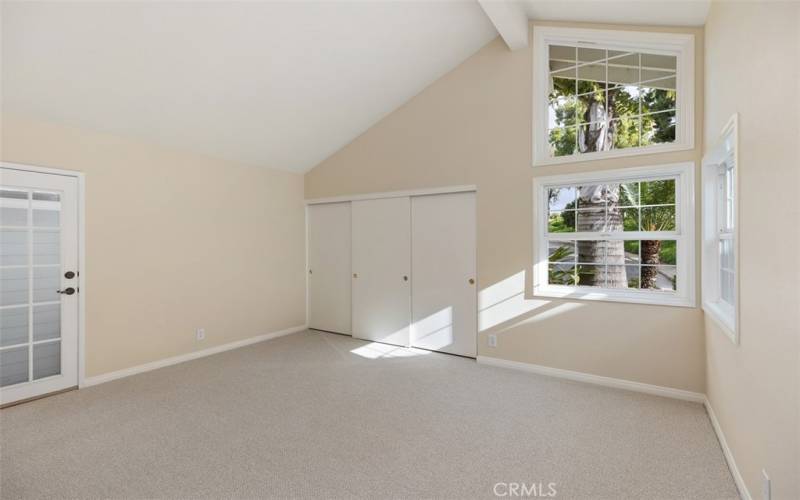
x=400, y=249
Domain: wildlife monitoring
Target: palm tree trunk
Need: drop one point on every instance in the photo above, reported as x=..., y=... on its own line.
x=615, y=249
x=651, y=250
x=603, y=212
x=597, y=201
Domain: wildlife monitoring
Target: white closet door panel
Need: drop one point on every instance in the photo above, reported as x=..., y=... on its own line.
x=382, y=270
x=329, y=242
x=444, y=303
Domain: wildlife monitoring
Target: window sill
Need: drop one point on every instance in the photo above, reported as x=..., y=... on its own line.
x=607, y=295
x=723, y=319
x=618, y=153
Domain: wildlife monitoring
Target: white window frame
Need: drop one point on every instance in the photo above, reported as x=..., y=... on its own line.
x=722, y=313
x=677, y=44
x=684, y=296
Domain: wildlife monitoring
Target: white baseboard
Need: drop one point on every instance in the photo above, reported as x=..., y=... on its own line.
x=127, y=372
x=744, y=493
x=618, y=383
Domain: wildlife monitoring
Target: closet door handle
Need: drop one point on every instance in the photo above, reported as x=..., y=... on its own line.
x=405, y=278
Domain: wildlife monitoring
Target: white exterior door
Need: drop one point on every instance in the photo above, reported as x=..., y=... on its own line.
x=38, y=284
x=329, y=267
x=382, y=270
x=444, y=299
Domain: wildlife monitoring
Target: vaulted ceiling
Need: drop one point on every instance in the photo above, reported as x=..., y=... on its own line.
x=273, y=84
x=276, y=84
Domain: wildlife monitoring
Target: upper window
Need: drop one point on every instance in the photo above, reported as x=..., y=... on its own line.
x=602, y=93
x=720, y=291
x=622, y=235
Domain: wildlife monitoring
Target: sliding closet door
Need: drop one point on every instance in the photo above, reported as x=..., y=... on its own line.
x=444, y=303
x=329, y=267
x=382, y=270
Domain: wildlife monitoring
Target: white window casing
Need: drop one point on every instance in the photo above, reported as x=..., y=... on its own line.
x=614, y=43
x=720, y=230
x=683, y=234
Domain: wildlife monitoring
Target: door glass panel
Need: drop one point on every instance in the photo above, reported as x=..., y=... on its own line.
x=30, y=275
x=13, y=247
x=46, y=360
x=13, y=326
x=13, y=366
x=13, y=286
x=13, y=207
x=46, y=209
x=13, y=216
x=46, y=281
x=46, y=247
x=46, y=322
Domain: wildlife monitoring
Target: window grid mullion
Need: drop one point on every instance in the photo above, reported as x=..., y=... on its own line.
x=616, y=236
x=605, y=62
x=577, y=119
x=605, y=264
x=30, y=285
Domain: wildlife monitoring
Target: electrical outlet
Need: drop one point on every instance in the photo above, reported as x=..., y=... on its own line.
x=200, y=334
x=492, y=340
x=766, y=488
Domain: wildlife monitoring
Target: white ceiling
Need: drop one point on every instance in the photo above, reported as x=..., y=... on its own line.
x=275, y=84
x=641, y=12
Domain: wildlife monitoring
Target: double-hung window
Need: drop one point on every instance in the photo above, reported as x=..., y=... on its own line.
x=720, y=290
x=603, y=93
x=621, y=235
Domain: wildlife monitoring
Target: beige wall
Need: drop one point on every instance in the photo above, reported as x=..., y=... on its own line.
x=752, y=68
x=174, y=242
x=473, y=126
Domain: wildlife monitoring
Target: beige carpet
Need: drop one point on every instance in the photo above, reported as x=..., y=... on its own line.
x=305, y=416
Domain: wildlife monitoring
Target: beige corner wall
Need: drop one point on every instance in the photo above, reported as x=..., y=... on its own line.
x=473, y=126
x=174, y=242
x=753, y=59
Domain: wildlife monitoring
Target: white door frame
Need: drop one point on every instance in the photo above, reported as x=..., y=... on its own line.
x=81, y=178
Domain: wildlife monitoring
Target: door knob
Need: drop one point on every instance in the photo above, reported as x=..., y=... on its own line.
x=471, y=281
x=355, y=275
x=309, y=271
x=66, y=291
x=69, y=275
x=405, y=278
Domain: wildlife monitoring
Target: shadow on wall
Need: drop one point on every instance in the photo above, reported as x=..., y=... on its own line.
x=503, y=306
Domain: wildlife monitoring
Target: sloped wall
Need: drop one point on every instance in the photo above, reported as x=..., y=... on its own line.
x=175, y=241
x=473, y=126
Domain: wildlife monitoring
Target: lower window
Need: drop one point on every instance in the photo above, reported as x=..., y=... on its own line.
x=625, y=264
x=621, y=235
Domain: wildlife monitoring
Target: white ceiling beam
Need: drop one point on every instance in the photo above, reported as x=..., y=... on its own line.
x=509, y=19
